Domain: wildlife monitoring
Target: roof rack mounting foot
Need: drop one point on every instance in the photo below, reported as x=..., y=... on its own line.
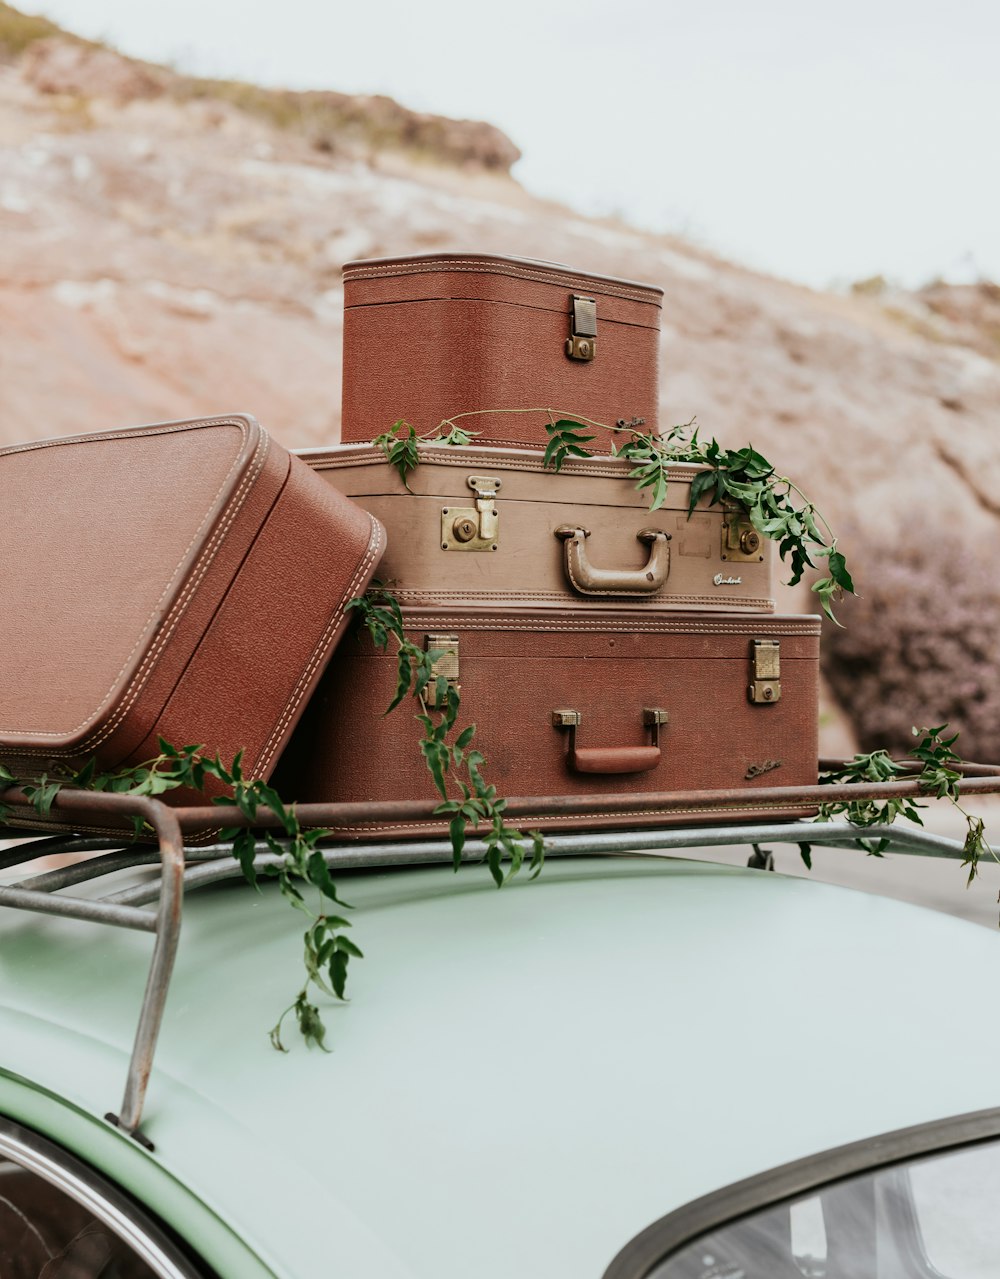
x=134, y=1133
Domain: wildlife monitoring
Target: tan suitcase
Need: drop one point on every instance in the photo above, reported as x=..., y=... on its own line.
x=185, y=580
x=573, y=703
x=493, y=526
x=432, y=335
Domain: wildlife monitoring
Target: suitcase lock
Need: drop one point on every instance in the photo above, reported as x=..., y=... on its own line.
x=582, y=341
x=740, y=540
x=473, y=528
x=766, y=663
x=443, y=667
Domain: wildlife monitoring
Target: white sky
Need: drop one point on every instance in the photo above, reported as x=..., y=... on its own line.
x=820, y=141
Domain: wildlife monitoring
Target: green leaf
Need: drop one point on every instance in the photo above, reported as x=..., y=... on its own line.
x=84, y=777
x=43, y=795
x=436, y=757
x=456, y=829
x=404, y=677
x=310, y=1023
x=700, y=485
x=319, y=876
x=839, y=573
x=244, y=850
x=493, y=861
x=537, y=853
x=805, y=851
x=338, y=972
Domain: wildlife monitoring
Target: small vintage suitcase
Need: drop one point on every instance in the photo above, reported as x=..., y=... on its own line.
x=574, y=703
x=486, y=526
x=432, y=336
x=184, y=580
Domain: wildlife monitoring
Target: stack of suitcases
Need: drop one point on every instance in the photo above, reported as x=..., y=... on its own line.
x=600, y=648
x=191, y=580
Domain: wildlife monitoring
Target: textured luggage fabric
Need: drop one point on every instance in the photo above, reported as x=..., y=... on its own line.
x=517, y=669
x=430, y=336
x=184, y=580
x=696, y=563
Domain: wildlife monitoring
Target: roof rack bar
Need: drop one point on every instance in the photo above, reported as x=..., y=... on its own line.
x=72, y=805
x=51, y=881
x=52, y=845
x=363, y=817
x=78, y=908
x=358, y=856
x=32, y=850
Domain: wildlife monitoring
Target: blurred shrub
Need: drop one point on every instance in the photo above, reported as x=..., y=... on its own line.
x=921, y=647
x=18, y=30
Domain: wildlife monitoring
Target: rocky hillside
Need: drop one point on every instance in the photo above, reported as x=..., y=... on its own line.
x=171, y=248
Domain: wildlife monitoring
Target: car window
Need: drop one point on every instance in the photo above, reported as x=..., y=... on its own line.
x=58, y=1220
x=930, y=1218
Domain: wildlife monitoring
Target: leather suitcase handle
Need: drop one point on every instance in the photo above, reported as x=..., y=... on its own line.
x=588, y=580
x=612, y=759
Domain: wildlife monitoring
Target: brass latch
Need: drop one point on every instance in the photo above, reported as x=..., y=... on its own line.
x=652, y=717
x=766, y=659
x=473, y=528
x=582, y=341
x=740, y=540
x=444, y=666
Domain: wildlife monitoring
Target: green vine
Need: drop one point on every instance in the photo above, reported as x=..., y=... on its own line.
x=742, y=476
x=327, y=951
x=936, y=778
x=478, y=805
x=401, y=444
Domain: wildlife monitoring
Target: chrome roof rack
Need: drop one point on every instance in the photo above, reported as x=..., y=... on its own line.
x=155, y=905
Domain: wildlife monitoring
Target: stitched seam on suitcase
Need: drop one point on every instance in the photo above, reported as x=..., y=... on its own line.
x=356, y=307
x=736, y=807
x=175, y=614
x=134, y=433
x=419, y=621
x=617, y=472
x=651, y=602
x=480, y=267
x=376, y=540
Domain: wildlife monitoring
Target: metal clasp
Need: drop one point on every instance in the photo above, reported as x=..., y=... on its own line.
x=765, y=688
x=740, y=540
x=444, y=666
x=473, y=528
x=582, y=341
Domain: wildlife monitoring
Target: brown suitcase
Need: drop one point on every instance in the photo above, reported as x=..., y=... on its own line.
x=432, y=336
x=577, y=704
x=184, y=580
x=486, y=526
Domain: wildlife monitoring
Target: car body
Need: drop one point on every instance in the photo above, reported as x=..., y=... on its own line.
x=522, y=1081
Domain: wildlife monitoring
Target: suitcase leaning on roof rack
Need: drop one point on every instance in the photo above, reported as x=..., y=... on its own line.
x=481, y=526
x=568, y=702
x=185, y=580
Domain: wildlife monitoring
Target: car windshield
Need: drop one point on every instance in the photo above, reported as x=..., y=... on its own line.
x=935, y=1217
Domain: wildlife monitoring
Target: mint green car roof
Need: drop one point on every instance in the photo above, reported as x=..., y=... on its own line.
x=522, y=1080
